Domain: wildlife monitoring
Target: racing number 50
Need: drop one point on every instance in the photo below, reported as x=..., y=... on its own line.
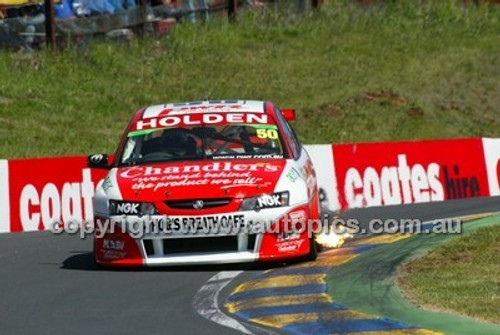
x=267, y=133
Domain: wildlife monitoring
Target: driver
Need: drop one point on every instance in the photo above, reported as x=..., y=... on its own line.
x=178, y=143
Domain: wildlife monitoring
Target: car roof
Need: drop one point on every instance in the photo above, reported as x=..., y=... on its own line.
x=208, y=106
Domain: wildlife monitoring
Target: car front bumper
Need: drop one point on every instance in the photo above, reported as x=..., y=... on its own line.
x=121, y=248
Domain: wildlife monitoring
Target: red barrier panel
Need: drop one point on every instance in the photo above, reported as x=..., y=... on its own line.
x=393, y=173
x=45, y=190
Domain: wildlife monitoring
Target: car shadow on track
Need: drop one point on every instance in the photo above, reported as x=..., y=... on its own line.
x=84, y=261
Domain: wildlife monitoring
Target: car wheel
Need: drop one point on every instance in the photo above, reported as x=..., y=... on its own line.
x=313, y=250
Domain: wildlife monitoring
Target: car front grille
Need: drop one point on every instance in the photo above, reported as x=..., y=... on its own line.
x=190, y=203
x=198, y=245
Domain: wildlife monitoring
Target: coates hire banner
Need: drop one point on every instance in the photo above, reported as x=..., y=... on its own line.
x=36, y=192
x=379, y=174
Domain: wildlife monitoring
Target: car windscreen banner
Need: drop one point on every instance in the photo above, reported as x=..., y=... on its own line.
x=202, y=119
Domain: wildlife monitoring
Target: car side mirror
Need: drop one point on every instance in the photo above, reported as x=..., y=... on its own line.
x=98, y=161
x=288, y=114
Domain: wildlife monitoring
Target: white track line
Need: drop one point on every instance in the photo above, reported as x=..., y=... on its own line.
x=206, y=301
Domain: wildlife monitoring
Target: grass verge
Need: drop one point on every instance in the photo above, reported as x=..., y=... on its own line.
x=462, y=276
x=390, y=72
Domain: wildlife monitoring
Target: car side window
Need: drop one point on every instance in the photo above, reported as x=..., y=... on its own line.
x=289, y=133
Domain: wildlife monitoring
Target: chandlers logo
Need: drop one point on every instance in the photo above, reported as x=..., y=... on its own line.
x=141, y=171
x=405, y=184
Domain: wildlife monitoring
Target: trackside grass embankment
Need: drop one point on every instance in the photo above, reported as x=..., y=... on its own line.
x=368, y=282
x=461, y=276
x=401, y=71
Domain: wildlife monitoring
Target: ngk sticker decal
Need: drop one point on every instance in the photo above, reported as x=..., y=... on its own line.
x=127, y=208
x=491, y=148
x=4, y=197
x=269, y=201
x=376, y=174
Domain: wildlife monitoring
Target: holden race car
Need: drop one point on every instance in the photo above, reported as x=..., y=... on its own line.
x=206, y=182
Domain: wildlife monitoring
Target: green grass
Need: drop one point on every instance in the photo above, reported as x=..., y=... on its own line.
x=461, y=276
x=401, y=71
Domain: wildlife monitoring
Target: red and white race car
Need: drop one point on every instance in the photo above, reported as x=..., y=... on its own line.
x=206, y=182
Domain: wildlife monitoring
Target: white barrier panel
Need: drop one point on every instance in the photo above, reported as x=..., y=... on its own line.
x=491, y=147
x=324, y=164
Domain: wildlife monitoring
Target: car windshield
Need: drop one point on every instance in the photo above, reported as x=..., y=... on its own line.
x=205, y=142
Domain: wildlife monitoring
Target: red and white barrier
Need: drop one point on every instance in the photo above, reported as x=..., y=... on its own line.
x=36, y=192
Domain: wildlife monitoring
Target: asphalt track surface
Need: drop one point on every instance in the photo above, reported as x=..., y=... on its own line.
x=49, y=285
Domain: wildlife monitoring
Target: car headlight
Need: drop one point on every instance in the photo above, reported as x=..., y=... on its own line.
x=117, y=207
x=279, y=199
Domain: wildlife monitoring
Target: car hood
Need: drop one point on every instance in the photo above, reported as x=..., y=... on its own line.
x=201, y=179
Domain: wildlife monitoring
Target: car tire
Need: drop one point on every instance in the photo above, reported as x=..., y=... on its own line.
x=313, y=250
